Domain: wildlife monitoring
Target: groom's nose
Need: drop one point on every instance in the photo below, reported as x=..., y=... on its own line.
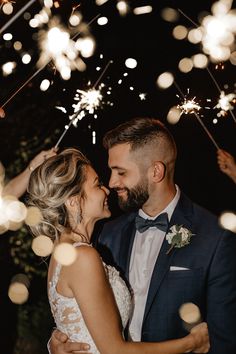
x=114, y=181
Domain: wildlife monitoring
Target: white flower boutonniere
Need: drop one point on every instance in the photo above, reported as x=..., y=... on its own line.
x=178, y=236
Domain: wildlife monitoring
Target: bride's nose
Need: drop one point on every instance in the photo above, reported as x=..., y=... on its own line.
x=106, y=190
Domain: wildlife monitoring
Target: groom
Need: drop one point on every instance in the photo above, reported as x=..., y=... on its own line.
x=142, y=155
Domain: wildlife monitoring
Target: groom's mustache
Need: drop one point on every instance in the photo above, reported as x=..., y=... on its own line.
x=117, y=189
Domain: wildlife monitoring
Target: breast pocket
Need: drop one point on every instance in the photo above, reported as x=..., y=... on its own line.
x=184, y=286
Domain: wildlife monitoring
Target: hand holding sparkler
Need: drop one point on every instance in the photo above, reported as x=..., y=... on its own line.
x=227, y=163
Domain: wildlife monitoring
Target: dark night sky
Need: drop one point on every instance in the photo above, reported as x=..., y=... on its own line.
x=148, y=39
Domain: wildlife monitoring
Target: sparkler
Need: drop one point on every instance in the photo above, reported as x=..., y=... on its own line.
x=39, y=70
x=225, y=103
x=215, y=40
x=192, y=107
x=88, y=101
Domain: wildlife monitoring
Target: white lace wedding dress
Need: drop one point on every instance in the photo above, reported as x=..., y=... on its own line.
x=67, y=314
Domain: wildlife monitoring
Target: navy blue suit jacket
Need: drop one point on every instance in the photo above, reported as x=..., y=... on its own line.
x=210, y=282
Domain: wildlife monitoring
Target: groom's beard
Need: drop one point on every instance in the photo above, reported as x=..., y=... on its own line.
x=136, y=197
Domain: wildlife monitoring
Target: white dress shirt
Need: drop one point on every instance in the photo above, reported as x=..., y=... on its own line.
x=146, y=248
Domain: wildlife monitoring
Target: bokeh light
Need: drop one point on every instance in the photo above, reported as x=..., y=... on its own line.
x=42, y=246
x=65, y=254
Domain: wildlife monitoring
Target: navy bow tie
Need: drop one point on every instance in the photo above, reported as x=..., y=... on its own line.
x=161, y=222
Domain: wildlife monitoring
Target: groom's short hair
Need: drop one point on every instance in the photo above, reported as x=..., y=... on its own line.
x=138, y=132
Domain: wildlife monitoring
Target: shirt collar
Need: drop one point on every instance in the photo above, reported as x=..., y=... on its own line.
x=169, y=209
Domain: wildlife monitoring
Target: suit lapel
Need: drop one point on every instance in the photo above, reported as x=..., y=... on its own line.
x=163, y=262
x=127, y=240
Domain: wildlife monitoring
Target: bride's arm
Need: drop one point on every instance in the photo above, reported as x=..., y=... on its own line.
x=89, y=284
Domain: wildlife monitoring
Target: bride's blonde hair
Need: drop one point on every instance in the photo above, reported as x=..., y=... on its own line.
x=51, y=184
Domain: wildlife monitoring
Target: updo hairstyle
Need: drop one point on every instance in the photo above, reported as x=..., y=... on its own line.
x=51, y=184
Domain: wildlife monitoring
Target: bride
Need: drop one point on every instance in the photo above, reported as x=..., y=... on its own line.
x=89, y=300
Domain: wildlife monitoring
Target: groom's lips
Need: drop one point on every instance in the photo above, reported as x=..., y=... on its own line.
x=121, y=191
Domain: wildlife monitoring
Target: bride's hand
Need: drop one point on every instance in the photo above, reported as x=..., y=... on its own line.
x=200, y=337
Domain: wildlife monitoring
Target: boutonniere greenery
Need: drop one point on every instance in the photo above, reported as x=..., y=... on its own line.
x=178, y=236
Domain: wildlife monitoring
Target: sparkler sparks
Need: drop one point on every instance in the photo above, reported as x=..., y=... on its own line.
x=88, y=102
x=216, y=32
x=225, y=103
x=189, y=106
x=56, y=45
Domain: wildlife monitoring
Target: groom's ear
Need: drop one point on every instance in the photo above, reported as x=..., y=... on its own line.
x=158, y=171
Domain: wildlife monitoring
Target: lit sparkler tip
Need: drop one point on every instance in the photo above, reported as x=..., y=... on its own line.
x=189, y=106
x=225, y=103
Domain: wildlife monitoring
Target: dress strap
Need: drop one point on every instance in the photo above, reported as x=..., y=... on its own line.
x=56, y=274
x=77, y=244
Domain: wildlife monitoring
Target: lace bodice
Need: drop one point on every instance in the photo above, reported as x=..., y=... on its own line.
x=67, y=314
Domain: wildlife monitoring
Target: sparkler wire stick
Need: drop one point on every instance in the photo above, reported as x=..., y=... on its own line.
x=199, y=119
x=65, y=130
x=16, y=16
x=206, y=130
x=208, y=70
x=75, y=115
x=23, y=85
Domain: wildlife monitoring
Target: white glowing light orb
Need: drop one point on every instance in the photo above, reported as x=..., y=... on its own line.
x=26, y=58
x=7, y=36
x=131, y=63
x=180, y=32
x=16, y=211
x=34, y=23
x=122, y=7
x=174, y=115
x=189, y=313
x=165, y=80
x=200, y=61
x=93, y=137
x=33, y=216
x=18, y=293
x=58, y=40
x=44, y=85
x=7, y=8
x=42, y=246
x=142, y=10
x=228, y=221
x=102, y=21
x=48, y=3
x=195, y=35
x=185, y=65
x=65, y=254
x=65, y=73
x=215, y=121
x=75, y=19
x=86, y=46
x=100, y=2
x=8, y=68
